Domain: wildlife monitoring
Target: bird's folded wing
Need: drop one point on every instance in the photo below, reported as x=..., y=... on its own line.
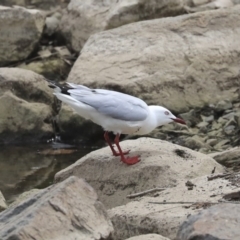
x=113, y=104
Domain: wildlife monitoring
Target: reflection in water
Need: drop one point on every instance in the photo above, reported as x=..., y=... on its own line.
x=23, y=168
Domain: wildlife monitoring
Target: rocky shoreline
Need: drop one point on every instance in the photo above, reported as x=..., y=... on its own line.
x=183, y=55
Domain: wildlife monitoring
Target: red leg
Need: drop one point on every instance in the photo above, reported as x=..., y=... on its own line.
x=127, y=160
x=106, y=137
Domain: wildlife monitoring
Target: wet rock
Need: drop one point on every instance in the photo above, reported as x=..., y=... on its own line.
x=158, y=63
x=21, y=30
x=25, y=101
x=84, y=18
x=3, y=204
x=162, y=164
x=69, y=210
x=164, y=214
x=217, y=222
x=148, y=237
x=223, y=105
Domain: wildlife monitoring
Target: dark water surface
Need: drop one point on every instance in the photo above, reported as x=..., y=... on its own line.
x=23, y=168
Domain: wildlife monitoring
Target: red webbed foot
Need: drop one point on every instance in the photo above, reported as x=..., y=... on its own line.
x=131, y=160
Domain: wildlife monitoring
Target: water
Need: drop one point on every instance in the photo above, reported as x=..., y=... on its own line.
x=23, y=168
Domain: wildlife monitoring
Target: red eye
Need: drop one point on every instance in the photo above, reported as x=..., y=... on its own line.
x=166, y=113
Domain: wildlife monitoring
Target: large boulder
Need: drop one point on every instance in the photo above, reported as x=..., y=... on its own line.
x=25, y=106
x=218, y=222
x=164, y=212
x=178, y=62
x=83, y=18
x=21, y=30
x=163, y=164
x=69, y=210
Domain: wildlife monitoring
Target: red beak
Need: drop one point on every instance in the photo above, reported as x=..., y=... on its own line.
x=179, y=120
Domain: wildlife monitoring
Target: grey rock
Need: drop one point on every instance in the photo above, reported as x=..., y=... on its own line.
x=21, y=30
x=39, y=4
x=194, y=142
x=84, y=18
x=217, y=222
x=165, y=213
x=165, y=62
x=69, y=210
x=25, y=106
x=222, y=144
x=52, y=24
x=208, y=118
x=3, y=204
x=162, y=164
x=223, y=105
x=229, y=130
x=73, y=127
x=148, y=237
x=228, y=158
x=212, y=141
x=202, y=124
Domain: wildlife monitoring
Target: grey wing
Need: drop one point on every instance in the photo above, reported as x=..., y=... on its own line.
x=113, y=104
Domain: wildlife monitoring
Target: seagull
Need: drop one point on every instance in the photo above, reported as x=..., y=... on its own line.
x=116, y=112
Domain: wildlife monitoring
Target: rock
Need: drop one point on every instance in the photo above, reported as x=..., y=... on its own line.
x=75, y=128
x=206, y=5
x=52, y=68
x=208, y=118
x=165, y=61
x=194, y=142
x=21, y=30
x=190, y=117
x=163, y=164
x=84, y=18
x=212, y=141
x=229, y=130
x=164, y=213
x=223, y=105
x=52, y=24
x=222, y=144
x=39, y=4
x=3, y=204
x=148, y=237
x=202, y=124
x=69, y=210
x=25, y=195
x=217, y=222
x=228, y=158
x=25, y=101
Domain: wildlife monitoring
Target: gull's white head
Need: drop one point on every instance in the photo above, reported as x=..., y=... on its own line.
x=164, y=116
